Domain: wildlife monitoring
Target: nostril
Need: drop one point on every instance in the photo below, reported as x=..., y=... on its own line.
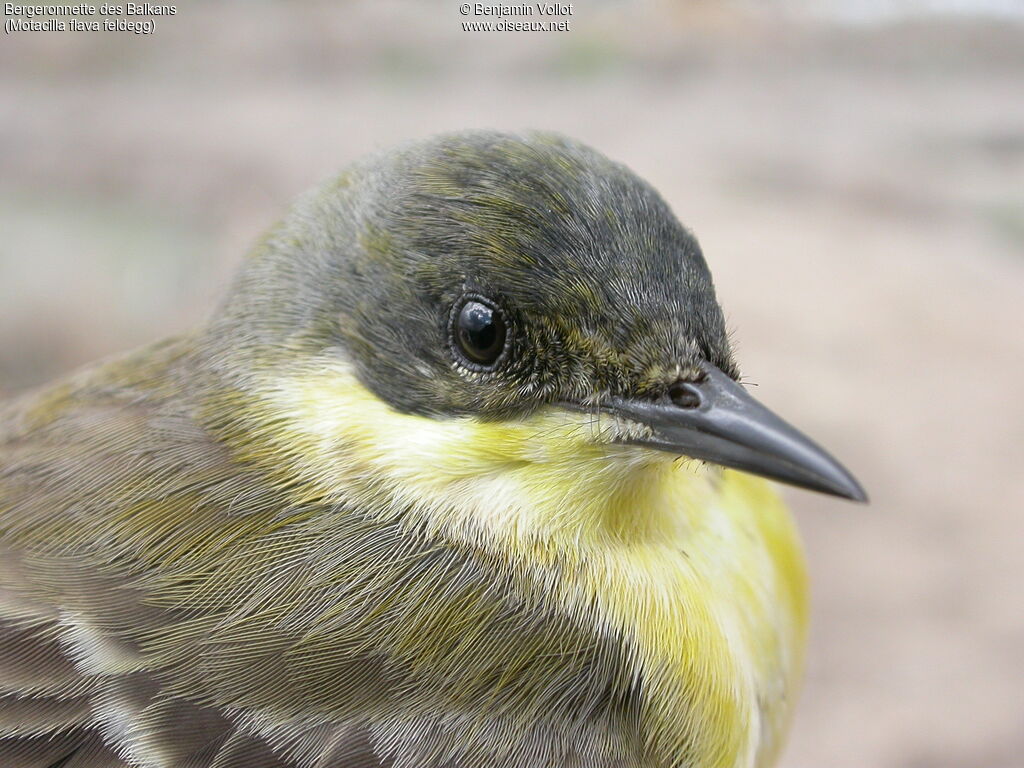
x=685, y=395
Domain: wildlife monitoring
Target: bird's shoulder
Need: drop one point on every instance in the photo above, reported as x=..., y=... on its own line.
x=79, y=457
x=71, y=444
x=72, y=407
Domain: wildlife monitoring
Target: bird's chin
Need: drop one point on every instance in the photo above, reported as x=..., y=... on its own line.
x=600, y=438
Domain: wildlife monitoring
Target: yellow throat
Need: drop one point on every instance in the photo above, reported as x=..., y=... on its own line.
x=701, y=569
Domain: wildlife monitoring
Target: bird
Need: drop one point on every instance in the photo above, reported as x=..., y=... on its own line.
x=459, y=474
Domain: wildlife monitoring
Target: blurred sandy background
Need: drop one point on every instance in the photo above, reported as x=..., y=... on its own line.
x=855, y=172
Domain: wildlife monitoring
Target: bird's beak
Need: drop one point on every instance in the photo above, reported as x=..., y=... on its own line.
x=716, y=420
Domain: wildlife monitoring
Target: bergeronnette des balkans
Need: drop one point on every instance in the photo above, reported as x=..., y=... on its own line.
x=86, y=9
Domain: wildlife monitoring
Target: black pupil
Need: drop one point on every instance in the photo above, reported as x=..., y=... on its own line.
x=481, y=332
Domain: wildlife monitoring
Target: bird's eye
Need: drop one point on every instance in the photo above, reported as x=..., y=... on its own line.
x=479, y=333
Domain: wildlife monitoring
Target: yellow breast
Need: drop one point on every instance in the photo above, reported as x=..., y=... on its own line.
x=699, y=569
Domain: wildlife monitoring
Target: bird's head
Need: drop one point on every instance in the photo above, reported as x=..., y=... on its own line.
x=484, y=302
